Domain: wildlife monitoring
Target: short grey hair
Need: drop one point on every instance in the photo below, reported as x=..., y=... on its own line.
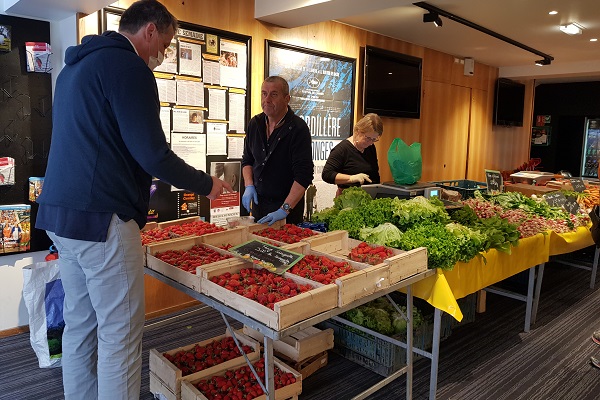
x=277, y=79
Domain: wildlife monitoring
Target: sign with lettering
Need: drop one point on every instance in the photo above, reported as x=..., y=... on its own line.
x=571, y=205
x=555, y=199
x=577, y=184
x=493, y=180
x=265, y=255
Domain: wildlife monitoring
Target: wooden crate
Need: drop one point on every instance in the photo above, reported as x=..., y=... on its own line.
x=299, y=346
x=160, y=390
x=168, y=377
x=180, y=221
x=286, y=312
x=403, y=264
x=233, y=236
x=189, y=279
x=189, y=391
x=252, y=228
x=365, y=280
x=311, y=365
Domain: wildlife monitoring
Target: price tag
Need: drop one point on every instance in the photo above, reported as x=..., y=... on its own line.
x=555, y=199
x=577, y=184
x=571, y=205
x=265, y=255
x=493, y=180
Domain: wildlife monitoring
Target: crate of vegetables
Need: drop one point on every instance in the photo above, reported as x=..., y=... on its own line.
x=240, y=383
x=286, y=233
x=168, y=369
x=179, y=228
x=180, y=259
x=402, y=263
x=353, y=279
x=276, y=301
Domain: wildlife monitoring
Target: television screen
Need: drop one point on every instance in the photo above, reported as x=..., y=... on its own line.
x=392, y=84
x=509, y=103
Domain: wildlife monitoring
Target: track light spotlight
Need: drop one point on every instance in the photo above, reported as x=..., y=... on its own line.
x=545, y=61
x=433, y=17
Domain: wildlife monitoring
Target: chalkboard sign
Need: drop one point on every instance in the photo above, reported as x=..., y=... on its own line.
x=493, y=180
x=571, y=205
x=270, y=257
x=577, y=184
x=555, y=199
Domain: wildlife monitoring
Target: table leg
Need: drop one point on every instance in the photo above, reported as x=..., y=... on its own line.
x=529, y=301
x=435, y=353
x=409, y=343
x=594, y=268
x=538, y=289
x=269, y=368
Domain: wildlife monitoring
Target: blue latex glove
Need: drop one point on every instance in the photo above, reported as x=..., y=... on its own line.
x=249, y=195
x=273, y=217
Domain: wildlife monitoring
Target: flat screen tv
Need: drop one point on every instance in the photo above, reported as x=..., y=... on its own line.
x=509, y=102
x=392, y=84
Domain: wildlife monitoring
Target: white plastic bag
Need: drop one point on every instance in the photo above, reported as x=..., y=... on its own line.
x=44, y=295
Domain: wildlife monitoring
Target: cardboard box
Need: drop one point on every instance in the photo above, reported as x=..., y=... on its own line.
x=528, y=190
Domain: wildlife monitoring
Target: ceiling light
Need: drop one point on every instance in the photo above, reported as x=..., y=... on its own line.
x=545, y=61
x=433, y=17
x=593, y=40
x=572, y=28
x=553, y=12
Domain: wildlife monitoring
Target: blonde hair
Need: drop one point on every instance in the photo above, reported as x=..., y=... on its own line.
x=369, y=121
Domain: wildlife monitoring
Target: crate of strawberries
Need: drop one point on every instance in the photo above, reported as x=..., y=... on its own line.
x=180, y=259
x=402, y=264
x=276, y=301
x=282, y=233
x=175, y=229
x=199, y=360
x=240, y=383
x=353, y=279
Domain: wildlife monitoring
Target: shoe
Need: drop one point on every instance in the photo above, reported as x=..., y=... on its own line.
x=596, y=337
x=595, y=361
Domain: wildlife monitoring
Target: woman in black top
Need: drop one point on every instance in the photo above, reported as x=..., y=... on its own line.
x=354, y=161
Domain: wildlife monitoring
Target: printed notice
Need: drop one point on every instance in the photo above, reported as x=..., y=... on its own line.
x=191, y=147
x=167, y=90
x=211, y=72
x=190, y=58
x=165, y=121
x=190, y=93
x=216, y=138
x=216, y=101
x=235, y=146
x=233, y=60
x=237, y=112
x=188, y=120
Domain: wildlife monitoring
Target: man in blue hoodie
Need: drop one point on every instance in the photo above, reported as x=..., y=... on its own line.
x=107, y=144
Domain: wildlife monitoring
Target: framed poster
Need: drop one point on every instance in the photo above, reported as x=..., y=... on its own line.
x=321, y=87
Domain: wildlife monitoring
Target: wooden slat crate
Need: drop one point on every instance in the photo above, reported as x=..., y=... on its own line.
x=403, y=264
x=168, y=377
x=299, y=346
x=189, y=279
x=286, y=312
x=311, y=365
x=189, y=391
x=365, y=280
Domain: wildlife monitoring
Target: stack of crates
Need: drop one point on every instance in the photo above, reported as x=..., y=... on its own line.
x=465, y=187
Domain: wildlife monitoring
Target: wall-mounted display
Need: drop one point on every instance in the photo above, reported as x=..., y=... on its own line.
x=540, y=135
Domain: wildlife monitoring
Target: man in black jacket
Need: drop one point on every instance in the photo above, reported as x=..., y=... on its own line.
x=277, y=162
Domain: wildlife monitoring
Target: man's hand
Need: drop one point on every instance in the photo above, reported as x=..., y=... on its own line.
x=219, y=187
x=249, y=195
x=359, y=178
x=273, y=217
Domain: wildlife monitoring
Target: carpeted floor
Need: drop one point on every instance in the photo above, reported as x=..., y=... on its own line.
x=490, y=358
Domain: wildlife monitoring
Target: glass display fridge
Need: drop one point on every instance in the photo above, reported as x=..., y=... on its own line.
x=591, y=148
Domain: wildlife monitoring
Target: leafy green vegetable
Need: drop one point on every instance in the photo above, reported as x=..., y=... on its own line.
x=418, y=210
x=386, y=234
x=348, y=219
x=442, y=246
x=471, y=242
x=378, y=211
x=325, y=215
x=352, y=197
x=464, y=216
x=501, y=234
x=380, y=316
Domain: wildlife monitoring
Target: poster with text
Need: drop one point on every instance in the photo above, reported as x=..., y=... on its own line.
x=321, y=88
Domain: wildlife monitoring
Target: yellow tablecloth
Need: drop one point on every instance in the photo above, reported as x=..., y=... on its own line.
x=442, y=290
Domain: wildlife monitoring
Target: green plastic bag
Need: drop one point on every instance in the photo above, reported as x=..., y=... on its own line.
x=405, y=162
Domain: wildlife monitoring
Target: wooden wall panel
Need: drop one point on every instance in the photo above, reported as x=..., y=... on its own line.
x=444, y=131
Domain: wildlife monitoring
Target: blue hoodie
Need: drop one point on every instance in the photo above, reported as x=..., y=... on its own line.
x=107, y=138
